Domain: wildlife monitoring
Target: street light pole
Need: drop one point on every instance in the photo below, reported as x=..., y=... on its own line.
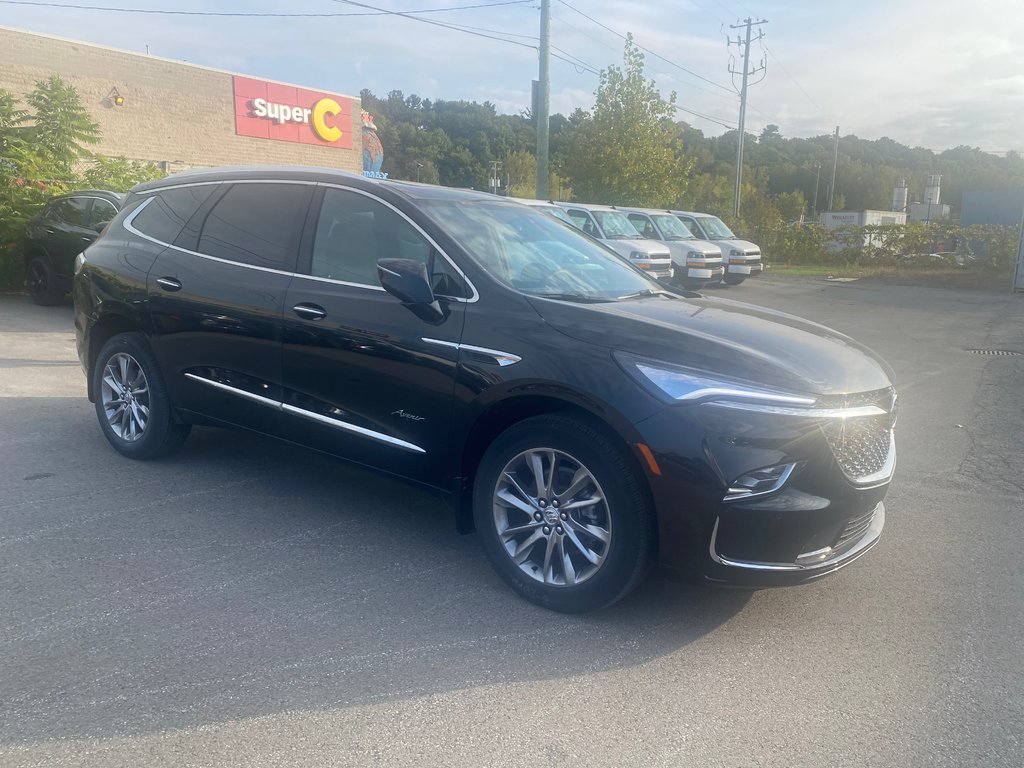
x=814, y=205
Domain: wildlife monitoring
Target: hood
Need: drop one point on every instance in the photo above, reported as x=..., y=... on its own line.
x=729, y=244
x=655, y=248
x=725, y=337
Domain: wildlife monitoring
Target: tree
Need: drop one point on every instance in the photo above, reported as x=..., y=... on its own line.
x=60, y=126
x=627, y=151
x=770, y=131
x=118, y=174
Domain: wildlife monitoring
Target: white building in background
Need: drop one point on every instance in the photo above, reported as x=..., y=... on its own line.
x=836, y=219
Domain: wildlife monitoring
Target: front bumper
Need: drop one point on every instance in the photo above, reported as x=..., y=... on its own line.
x=816, y=522
x=705, y=273
x=748, y=267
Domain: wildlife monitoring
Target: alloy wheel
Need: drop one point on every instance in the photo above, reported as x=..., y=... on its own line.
x=38, y=279
x=552, y=517
x=125, y=397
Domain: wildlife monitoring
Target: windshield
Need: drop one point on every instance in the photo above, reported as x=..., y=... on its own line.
x=537, y=255
x=715, y=227
x=672, y=228
x=615, y=226
x=554, y=210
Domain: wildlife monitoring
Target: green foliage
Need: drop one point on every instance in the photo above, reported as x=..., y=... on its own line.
x=627, y=151
x=60, y=126
x=117, y=174
x=42, y=154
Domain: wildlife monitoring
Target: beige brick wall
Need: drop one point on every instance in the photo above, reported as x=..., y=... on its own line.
x=173, y=112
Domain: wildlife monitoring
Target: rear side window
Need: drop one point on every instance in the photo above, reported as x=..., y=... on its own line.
x=74, y=210
x=257, y=224
x=170, y=210
x=354, y=231
x=102, y=210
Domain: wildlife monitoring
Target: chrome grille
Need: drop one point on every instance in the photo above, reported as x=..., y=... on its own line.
x=855, y=528
x=862, y=445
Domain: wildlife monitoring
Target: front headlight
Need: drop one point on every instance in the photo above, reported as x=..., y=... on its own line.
x=734, y=252
x=676, y=384
x=639, y=255
x=695, y=255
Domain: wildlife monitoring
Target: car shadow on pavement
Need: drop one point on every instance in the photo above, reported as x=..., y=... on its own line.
x=243, y=577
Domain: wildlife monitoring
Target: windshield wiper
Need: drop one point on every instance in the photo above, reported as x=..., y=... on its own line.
x=580, y=297
x=640, y=294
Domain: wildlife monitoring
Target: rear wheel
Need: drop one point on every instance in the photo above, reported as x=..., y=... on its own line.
x=42, y=283
x=132, y=405
x=563, y=515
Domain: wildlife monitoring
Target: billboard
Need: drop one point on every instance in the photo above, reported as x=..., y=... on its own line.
x=266, y=110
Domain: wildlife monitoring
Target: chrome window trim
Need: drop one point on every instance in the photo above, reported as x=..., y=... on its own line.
x=474, y=297
x=286, y=408
x=866, y=542
x=500, y=358
x=346, y=426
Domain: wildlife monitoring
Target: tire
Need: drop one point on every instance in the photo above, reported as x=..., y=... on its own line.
x=617, y=532
x=147, y=428
x=733, y=279
x=42, y=283
x=689, y=285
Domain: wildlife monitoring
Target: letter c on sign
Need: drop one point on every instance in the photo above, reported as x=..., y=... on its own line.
x=322, y=109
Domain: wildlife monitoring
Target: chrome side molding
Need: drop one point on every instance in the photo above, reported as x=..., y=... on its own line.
x=496, y=355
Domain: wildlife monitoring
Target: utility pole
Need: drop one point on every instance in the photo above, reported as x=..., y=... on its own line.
x=835, y=164
x=495, y=178
x=746, y=71
x=814, y=205
x=543, y=100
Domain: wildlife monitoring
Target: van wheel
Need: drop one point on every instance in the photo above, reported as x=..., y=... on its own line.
x=564, y=517
x=132, y=405
x=733, y=279
x=42, y=283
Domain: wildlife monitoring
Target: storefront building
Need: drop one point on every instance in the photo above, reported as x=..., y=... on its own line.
x=185, y=116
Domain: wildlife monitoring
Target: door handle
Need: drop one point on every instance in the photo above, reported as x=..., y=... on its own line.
x=310, y=311
x=169, y=283
x=87, y=239
x=49, y=231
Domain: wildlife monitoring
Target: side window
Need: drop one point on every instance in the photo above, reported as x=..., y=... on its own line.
x=74, y=210
x=256, y=224
x=643, y=226
x=354, y=231
x=164, y=218
x=583, y=221
x=102, y=210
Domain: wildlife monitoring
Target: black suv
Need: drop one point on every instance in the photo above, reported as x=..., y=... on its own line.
x=66, y=226
x=585, y=421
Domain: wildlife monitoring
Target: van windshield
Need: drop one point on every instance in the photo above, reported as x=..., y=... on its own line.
x=672, y=228
x=616, y=226
x=534, y=253
x=716, y=227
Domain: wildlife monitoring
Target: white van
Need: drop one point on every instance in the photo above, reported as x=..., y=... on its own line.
x=612, y=228
x=742, y=258
x=697, y=262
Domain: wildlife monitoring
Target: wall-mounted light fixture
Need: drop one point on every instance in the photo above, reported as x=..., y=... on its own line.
x=115, y=98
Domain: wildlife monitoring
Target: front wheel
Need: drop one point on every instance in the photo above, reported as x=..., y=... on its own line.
x=42, y=283
x=564, y=516
x=132, y=405
x=731, y=279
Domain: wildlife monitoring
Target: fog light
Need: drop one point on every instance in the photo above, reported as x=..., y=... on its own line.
x=759, y=482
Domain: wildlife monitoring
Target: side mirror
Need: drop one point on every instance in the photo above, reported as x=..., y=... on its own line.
x=408, y=281
x=101, y=226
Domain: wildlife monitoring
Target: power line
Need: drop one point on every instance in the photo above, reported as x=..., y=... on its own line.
x=647, y=50
x=778, y=61
x=253, y=14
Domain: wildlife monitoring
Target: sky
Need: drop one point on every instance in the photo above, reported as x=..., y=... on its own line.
x=933, y=74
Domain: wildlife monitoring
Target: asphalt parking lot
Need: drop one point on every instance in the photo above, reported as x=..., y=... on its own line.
x=248, y=603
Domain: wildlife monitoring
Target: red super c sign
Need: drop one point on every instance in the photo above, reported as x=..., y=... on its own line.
x=285, y=113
